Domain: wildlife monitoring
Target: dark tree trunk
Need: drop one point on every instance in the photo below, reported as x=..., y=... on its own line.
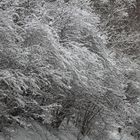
x=66, y=1
x=58, y=120
x=138, y=9
x=112, y=2
x=63, y=113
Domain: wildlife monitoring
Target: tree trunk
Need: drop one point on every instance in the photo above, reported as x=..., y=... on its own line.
x=138, y=9
x=63, y=113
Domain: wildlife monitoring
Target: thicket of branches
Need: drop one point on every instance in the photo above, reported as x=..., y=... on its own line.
x=54, y=64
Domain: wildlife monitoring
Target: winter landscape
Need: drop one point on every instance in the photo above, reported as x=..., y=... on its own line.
x=69, y=69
